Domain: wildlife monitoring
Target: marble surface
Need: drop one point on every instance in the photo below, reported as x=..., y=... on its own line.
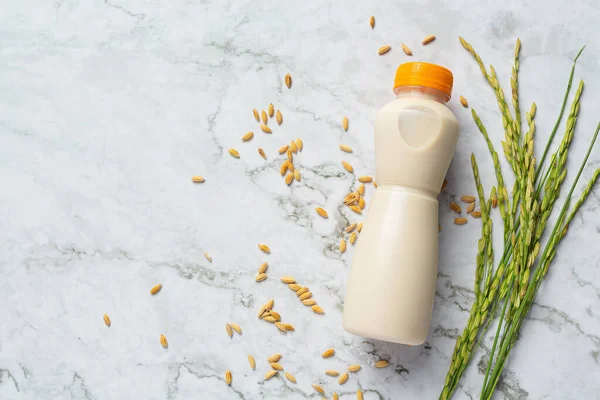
x=107, y=108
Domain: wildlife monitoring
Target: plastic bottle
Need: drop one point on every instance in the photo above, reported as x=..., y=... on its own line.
x=392, y=283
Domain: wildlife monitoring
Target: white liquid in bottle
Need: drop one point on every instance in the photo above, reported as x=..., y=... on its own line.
x=392, y=283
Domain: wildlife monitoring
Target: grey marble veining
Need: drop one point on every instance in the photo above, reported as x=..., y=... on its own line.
x=107, y=108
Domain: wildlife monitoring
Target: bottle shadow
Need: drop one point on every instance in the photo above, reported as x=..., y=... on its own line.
x=403, y=358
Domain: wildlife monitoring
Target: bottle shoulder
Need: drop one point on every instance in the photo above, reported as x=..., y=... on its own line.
x=416, y=104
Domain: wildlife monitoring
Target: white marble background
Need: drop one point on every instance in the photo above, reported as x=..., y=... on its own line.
x=107, y=108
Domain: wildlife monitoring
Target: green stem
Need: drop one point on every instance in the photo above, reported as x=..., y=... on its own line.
x=491, y=356
x=515, y=324
x=582, y=199
x=462, y=368
x=505, y=259
x=532, y=289
x=501, y=284
x=562, y=110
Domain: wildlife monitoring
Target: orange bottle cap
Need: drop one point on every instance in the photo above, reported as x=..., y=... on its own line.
x=426, y=75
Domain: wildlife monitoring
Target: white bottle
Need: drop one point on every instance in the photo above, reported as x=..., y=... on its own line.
x=392, y=283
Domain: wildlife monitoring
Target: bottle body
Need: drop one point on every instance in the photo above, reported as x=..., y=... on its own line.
x=392, y=283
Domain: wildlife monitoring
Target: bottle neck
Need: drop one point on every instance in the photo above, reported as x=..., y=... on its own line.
x=422, y=92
